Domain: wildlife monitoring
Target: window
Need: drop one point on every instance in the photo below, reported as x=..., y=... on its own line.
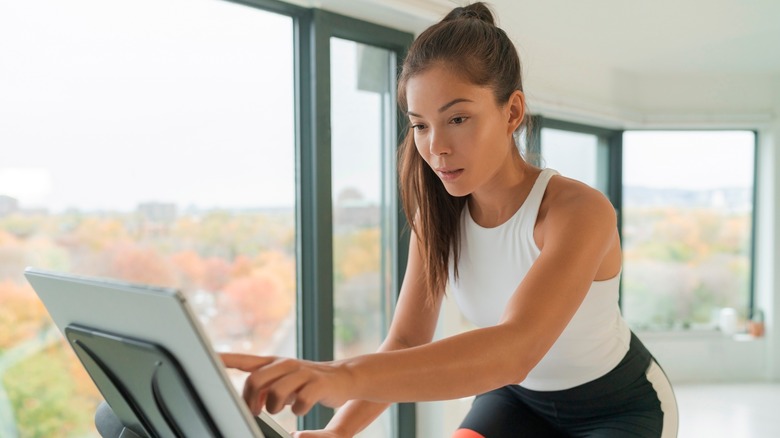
x=687, y=226
x=586, y=153
x=351, y=264
x=361, y=99
x=362, y=104
x=576, y=155
x=146, y=141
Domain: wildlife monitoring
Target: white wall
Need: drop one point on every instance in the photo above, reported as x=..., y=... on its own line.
x=708, y=357
x=768, y=282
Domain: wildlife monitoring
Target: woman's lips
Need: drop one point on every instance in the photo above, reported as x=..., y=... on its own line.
x=449, y=175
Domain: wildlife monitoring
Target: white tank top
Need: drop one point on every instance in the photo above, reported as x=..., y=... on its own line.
x=493, y=262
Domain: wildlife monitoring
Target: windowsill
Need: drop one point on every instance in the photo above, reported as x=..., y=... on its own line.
x=688, y=335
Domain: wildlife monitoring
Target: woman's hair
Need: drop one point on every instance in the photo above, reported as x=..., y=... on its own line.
x=468, y=41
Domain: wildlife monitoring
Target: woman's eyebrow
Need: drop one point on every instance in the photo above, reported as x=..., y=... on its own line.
x=443, y=107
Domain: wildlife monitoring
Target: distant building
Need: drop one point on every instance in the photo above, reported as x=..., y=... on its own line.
x=160, y=213
x=352, y=211
x=8, y=205
x=356, y=215
x=732, y=200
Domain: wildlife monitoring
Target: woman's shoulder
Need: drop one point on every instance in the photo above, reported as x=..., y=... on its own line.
x=567, y=196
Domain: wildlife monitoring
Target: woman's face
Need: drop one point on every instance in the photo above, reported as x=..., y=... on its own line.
x=460, y=130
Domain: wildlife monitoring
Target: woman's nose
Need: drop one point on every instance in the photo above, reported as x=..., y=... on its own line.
x=438, y=145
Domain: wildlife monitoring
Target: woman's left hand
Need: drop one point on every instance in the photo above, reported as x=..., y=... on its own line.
x=274, y=382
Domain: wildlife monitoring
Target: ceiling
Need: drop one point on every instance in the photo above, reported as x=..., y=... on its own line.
x=622, y=52
x=662, y=36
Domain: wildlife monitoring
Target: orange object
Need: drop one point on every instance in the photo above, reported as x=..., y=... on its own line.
x=756, y=328
x=466, y=433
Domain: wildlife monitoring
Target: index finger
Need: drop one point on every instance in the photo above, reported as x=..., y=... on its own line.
x=245, y=362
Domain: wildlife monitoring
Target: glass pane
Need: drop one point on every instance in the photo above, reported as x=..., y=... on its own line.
x=687, y=226
x=362, y=108
x=576, y=155
x=146, y=141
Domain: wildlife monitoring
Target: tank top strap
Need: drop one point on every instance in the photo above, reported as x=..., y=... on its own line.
x=534, y=200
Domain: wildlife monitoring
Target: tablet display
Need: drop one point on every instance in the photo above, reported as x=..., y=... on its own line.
x=150, y=322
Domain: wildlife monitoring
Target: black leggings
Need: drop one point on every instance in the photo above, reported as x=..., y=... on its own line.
x=635, y=399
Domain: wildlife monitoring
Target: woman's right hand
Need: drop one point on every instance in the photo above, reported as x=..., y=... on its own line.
x=318, y=434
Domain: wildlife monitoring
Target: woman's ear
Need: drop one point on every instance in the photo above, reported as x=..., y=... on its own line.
x=516, y=111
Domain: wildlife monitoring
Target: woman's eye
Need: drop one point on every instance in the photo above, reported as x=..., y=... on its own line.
x=458, y=120
x=418, y=127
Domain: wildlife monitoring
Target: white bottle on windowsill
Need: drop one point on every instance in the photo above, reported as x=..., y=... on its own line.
x=727, y=321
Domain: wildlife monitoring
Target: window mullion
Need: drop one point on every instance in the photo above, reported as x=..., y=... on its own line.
x=315, y=245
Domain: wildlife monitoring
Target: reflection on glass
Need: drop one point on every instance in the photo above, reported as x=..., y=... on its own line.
x=141, y=142
x=575, y=155
x=687, y=226
x=362, y=108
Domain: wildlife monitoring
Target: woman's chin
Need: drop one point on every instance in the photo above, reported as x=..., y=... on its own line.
x=456, y=191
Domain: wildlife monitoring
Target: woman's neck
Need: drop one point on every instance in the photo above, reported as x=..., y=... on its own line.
x=497, y=201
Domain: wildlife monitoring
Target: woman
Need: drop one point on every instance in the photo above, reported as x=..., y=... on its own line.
x=532, y=258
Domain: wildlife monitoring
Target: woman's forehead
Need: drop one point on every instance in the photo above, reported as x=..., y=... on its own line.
x=435, y=88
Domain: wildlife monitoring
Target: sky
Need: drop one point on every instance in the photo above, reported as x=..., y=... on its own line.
x=691, y=160
x=105, y=104
x=108, y=104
